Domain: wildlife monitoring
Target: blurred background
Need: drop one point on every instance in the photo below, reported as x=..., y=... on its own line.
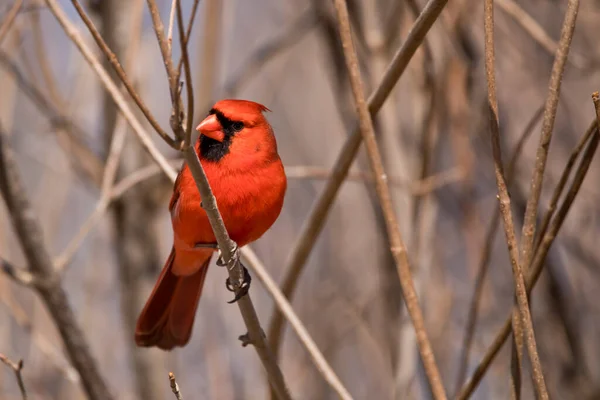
x=433, y=133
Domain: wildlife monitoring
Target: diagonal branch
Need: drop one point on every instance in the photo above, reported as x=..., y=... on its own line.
x=538, y=261
x=398, y=248
x=48, y=284
x=9, y=19
x=505, y=211
x=318, y=215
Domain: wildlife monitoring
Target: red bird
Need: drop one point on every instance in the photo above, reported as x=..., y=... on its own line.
x=238, y=152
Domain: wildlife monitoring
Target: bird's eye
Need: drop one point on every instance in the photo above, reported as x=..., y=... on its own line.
x=237, y=126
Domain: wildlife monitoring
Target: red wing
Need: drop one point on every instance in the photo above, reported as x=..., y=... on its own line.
x=176, y=190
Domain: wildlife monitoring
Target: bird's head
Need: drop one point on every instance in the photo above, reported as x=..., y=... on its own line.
x=236, y=127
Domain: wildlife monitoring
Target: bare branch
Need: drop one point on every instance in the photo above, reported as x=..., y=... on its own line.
x=112, y=58
x=486, y=254
x=111, y=88
x=17, y=367
x=174, y=5
x=175, y=386
x=286, y=308
x=9, y=19
x=188, y=78
x=19, y=275
x=538, y=261
x=317, y=216
x=505, y=211
x=48, y=283
x=383, y=192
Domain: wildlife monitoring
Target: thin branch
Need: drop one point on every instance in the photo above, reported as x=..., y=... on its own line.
x=558, y=68
x=286, y=308
x=174, y=5
x=114, y=62
x=17, y=274
x=538, y=261
x=537, y=32
x=111, y=88
x=188, y=31
x=48, y=283
x=11, y=15
x=383, y=192
x=316, y=219
x=227, y=248
x=188, y=78
x=174, y=386
x=486, y=254
x=505, y=211
x=17, y=367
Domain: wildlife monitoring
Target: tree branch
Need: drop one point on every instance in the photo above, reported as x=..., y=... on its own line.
x=318, y=215
x=48, y=282
x=398, y=248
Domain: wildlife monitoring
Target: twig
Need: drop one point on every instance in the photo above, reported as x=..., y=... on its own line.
x=538, y=261
x=227, y=247
x=537, y=32
x=505, y=211
x=111, y=88
x=317, y=216
x=188, y=78
x=486, y=253
x=383, y=192
x=286, y=308
x=19, y=275
x=112, y=58
x=548, y=125
x=48, y=283
x=175, y=386
x=174, y=5
x=17, y=368
x=11, y=15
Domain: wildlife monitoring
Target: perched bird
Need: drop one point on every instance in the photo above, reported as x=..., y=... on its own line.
x=238, y=152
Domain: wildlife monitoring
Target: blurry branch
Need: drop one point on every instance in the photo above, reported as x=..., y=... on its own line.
x=551, y=106
x=318, y=214
x=170, y=31
x=383, y=192
x=540, y=253
x=85, y=160
x=16, y=367
x=114, y=62
x=10, y=17
x=538, y=33
x=486, y=254
x=17, y=274
x=524, y=315
x=110, y=86
x=272, y=48
x=47, y=348
x=175, y=386
x=210, y=54
x=286, y=308
x=48, y=284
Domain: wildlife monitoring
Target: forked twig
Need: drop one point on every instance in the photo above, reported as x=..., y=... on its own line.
x=17, y=367
x=383, y=193
x=174, y=386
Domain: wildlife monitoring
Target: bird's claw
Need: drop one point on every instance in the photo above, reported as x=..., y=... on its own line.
x=235, y=258
x=243, y=288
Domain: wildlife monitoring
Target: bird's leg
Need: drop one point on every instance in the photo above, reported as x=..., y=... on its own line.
x=244, y=287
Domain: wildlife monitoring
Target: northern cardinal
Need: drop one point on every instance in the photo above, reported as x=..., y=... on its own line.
x=238, y=152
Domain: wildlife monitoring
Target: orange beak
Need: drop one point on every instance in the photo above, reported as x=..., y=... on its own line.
x=211, y=127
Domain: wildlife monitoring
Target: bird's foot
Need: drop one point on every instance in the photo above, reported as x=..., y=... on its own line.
x=235, y=258
x=243, y=288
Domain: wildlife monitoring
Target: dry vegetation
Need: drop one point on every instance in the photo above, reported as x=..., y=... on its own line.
x=400, y=261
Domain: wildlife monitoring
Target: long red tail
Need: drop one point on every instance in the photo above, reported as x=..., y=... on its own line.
x=168, y=316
